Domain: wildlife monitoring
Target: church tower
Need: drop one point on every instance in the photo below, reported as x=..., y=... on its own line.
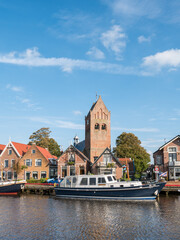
x=97, y=130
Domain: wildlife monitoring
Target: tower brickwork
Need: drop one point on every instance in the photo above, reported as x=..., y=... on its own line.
x=97, y=130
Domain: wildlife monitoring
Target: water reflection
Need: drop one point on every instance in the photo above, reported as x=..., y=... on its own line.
x=36, y=217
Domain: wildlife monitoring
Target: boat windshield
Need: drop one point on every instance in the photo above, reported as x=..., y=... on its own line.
x=114, y=178
x=109, y=178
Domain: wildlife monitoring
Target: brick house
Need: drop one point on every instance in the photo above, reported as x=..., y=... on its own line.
x=11, y=153
x=73, y=162
x=40, y=163
x=167, y=158
x=107, y=163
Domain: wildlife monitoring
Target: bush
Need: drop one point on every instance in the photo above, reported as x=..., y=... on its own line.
x=110, y=165
x=43, y=180
x=32, y=180
x=70, y=163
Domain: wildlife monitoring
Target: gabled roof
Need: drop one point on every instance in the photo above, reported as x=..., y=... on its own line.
x=21, y=148
x=173, y=139
x=76, y=150
x=46, y=153
x=107, y=149
x=2, y=147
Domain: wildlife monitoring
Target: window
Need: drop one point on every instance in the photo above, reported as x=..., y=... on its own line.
x=96, y=126
x=92, y=181
x=28, y=162
x=15, y=175
x=103, y=127
x=35, y=175
x=72, y=170
x=9, y=151
x=172, y=157
x=158, y=159
x=33, y=151
x=172, y=149
x=107, y=158
x=72, y=158
x=84, y=181
x=38, y=163
x=9, y=175
x=5, y=163
x=68, y=182
x=109, y=178
x=43, y=174
x=12, y=163
x=114, y=178
x=74, y=179
x=101, y=180
x=87, y=122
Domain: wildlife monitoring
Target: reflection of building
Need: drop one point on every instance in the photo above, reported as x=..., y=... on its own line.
x=93, y=154
x=167, y=157
x=38, y=161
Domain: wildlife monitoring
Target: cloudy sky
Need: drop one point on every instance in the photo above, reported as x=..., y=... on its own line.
x=56, y=55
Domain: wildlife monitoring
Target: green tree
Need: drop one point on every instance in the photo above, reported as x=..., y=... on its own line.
x=129, y=146
x=42, y=138
x=17, y=167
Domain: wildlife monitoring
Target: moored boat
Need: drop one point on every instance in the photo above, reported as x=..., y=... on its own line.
x=106, y=187
x=10, y=188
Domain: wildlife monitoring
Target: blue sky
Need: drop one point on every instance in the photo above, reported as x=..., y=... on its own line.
x=56, y=55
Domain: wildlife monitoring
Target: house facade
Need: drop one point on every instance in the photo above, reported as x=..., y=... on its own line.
x=38, y=162
x=107, y=163
x=73, y=162
x=11, y=154
x=167, y=158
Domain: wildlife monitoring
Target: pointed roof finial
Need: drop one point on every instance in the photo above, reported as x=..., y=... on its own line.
x=96, y=96
x=9, y=139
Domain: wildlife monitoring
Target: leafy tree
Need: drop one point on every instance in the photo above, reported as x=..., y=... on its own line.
x=17, y=167
x=42, y=138
x=129, y=146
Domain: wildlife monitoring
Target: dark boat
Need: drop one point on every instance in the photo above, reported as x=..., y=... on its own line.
x=106, y=187
x=10, y=189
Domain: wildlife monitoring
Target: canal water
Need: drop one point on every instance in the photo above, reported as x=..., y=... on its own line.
x=39, y=217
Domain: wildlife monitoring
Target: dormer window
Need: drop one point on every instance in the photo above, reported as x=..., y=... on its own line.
x=103, y=126
x=97, y=126
x=9, y=151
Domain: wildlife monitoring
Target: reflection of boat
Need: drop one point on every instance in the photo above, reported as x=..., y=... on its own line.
x=106, y=187
x=10, y=188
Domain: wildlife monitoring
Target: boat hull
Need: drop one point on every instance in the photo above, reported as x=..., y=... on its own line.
x=146, y=192
x=11, y=189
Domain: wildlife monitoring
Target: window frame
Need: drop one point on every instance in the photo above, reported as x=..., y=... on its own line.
x=6, y=160
x=30, y=160
x=37, y=162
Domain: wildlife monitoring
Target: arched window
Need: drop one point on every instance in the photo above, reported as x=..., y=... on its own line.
x=96, y=126
x=103, y=126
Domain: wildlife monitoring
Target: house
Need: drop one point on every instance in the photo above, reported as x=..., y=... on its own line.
x=39, y=162
x=73, y=162
x=107, y=163
x=167, y=158
x=11, y=153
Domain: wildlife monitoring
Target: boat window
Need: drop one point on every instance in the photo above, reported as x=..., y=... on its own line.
x=109, y=178
x=68, y=181
x=74, y=179
x=84, y=181
x=121, y=185
x=101, y=180
x=92, y=181
x=114, y=178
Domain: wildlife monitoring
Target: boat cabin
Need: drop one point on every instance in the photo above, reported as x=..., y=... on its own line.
x=95, y=181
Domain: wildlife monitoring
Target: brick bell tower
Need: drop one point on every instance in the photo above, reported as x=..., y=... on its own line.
x=97, y=130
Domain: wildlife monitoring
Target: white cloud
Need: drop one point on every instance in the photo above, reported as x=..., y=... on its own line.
x=172, y=119
x=135, y=129
x=14, y=88
x=142, y=39
x=77, y=112
x=169, y=58
x=96, y=53
x=57, y=123
x=114, y=39
x=31, y=57
x=135, y=8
